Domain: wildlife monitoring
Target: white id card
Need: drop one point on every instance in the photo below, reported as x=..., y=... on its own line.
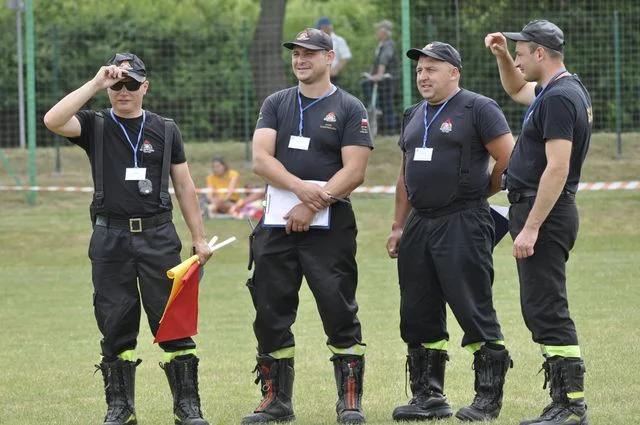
x=135, y=174
x=423, y=154
x=299, y=142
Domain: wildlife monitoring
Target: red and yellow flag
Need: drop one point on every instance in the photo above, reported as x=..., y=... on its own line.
x=180, y=317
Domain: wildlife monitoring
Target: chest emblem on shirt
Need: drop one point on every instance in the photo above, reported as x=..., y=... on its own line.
x=329, y=120
x=446, y=126
x=330, y=117
x=147, y=147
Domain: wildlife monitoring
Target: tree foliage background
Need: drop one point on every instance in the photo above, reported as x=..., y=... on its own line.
x=206, y=65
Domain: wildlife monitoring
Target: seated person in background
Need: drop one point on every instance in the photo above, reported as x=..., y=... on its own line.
x=250, y=206
x=222, y=183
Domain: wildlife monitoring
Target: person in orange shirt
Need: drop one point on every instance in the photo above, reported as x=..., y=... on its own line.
x=222, y=177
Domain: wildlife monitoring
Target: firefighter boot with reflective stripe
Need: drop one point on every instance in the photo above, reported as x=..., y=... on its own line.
x=119, y=388
x=426, y=374
x=565, y=376
x=349, y=372
x=490, y=367
x=275, y=377
x=182, y=374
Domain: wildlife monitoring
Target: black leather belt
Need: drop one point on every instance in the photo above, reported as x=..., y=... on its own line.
x=134, y=224
x=521, y=195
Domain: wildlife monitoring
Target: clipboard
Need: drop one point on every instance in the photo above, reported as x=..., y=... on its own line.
x=278, y=202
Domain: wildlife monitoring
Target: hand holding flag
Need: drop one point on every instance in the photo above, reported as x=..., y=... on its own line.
x=180, y=317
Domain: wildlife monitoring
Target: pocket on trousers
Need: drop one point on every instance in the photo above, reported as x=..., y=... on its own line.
x=252, y=290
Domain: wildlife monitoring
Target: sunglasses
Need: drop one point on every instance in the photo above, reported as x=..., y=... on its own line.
x=131, y=85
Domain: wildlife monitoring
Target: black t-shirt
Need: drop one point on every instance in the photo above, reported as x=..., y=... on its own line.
x=336, y=121
x=467, y=117
x=562, y=112
x=122, y=198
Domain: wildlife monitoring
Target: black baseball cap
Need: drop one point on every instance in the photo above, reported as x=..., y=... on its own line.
x=133, y=64
x=540, y=31
x=312, y=39
x=437, y=50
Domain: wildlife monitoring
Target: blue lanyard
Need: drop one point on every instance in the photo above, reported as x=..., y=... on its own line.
x=427, y=123
x=535, y=101
x=309, y=106
x=135, y=148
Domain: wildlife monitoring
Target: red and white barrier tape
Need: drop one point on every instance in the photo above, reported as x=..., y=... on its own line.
x=621, y=185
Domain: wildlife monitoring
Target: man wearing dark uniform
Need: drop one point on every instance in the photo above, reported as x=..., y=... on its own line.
x=542, y=180
x=313, y=131
x=134, y=242
x=443, y=235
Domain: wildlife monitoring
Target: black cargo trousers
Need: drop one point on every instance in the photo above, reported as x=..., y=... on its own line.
x=543, y=281
x=121, y=261
x=444, y=260
x=326, y=258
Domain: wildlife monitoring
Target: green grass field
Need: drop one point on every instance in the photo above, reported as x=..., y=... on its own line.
x=51, y=340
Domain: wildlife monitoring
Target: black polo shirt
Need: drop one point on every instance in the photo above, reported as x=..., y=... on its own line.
x=467, y=117
x=122, y=198
x=562, y=112
x=336, y=121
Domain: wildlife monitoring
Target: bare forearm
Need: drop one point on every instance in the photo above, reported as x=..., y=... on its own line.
x=496, y=177
x=551, y=185
x=345, y=181
x=190, y=208
x=402, y=206
x=66, y=108
x=274, y=173
x=511, y=79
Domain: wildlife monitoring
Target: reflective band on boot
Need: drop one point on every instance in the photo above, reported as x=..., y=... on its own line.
x=565, y=375
x=275, y=377
x=182, y=374
x=349, y=373
x=119, y=389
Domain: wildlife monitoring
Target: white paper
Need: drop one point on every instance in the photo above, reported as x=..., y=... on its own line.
x=279, y=202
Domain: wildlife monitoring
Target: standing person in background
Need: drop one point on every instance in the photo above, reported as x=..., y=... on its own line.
x=542, y=179
x=222, y=184
x=313, y=131
x=134, y=242
x=385, y=62
x=342, y=53
x=443, y=235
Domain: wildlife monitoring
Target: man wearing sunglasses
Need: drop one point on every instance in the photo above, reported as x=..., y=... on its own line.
x=134, y=241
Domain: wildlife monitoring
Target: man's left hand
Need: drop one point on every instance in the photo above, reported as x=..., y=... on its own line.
x=524, y=242
x=299, y=218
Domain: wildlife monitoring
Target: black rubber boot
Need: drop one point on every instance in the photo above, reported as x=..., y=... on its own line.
x=182, y=374
x=426, y=373
x=490, y=368
x=565, y=375
x=276, y=384
x=349, y=372
x=119, y=389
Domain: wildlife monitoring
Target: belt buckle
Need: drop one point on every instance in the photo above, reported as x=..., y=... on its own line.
x=135, y=225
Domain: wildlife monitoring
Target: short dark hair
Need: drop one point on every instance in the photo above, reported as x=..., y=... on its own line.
x=221, y=160
x=551, y=52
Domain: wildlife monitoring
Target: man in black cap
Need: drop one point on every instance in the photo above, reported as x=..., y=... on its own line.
x=311, y=143
x=342, y=53
x=542, y=179
x=133, y=152
x=443, y=235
